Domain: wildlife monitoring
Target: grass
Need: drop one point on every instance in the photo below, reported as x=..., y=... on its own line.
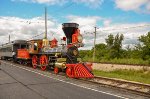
x=142, y=76
x=127, y=61
x=130, y=61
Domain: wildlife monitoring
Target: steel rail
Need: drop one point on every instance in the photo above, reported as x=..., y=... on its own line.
x=136, y=87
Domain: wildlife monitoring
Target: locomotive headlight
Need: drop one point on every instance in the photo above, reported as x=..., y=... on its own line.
x=80, y=38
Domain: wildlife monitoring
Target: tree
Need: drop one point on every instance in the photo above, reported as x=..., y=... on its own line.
x=114, y=45
x=118, y=42
x=110, y=41
x=145, y=39
x=100, y=50
x=85, y=53
x=100, y=46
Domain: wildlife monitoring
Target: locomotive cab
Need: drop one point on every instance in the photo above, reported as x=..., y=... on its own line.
x=35, y=46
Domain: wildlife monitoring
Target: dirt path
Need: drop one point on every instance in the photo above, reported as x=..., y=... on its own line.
x=111, y=67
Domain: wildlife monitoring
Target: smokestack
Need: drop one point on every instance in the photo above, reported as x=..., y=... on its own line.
x=69, y=29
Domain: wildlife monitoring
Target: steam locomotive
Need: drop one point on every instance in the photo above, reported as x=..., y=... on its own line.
x=44, y=53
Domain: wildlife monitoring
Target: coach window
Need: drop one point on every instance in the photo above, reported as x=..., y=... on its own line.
x=9, y=49
x=15, y=47
x=27, y=46
x=23, y=46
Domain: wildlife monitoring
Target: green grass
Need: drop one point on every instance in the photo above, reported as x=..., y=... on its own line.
x=127, y=61
x=142, y=76
x=130, y=61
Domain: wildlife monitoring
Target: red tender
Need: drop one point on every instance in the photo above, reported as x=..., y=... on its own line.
x=23, y=53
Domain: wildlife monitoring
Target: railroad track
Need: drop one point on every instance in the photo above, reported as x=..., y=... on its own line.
x=135, y=87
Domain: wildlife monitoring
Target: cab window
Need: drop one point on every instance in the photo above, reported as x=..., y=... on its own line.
x=35, y=46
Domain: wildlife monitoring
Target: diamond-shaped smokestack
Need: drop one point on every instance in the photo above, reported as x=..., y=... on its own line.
x=69, y=30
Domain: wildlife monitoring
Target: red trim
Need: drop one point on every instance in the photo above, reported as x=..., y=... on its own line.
x=78, y=71
x=69, y=72
x=56, y=70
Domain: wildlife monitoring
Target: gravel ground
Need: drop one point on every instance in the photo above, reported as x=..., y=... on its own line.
x=111, y=67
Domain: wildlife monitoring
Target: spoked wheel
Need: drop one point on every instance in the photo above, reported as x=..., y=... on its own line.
x=56, y=70
x=34, y=61
x=68, y=72
x=43, y=62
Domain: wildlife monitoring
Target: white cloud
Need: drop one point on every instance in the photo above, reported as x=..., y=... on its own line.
x=130, y=31
x=134, y=5
x=87, y=20
x=20, y=28
x=86, y=25
x=107, y=23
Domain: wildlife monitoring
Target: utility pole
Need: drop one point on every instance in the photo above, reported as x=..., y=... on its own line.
x=45, y=23
x=9, y=38
x=94, y=44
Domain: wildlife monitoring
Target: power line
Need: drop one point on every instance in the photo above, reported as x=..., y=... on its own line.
x=25, y=21
x=123, y=28
x=64, y=7
x=30, y=22
x=146, y=25
x=84, y=32
x=42, y=20
x=35, y=36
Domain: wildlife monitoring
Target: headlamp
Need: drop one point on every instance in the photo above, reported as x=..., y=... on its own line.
x=80, y=38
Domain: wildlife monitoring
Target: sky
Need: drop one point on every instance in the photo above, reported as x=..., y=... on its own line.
x=24, y=19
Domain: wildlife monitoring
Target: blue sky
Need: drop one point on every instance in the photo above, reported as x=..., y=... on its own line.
x=26, y=9
x=106, y=14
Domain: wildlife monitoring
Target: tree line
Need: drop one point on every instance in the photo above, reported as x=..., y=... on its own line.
x=112, y=50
